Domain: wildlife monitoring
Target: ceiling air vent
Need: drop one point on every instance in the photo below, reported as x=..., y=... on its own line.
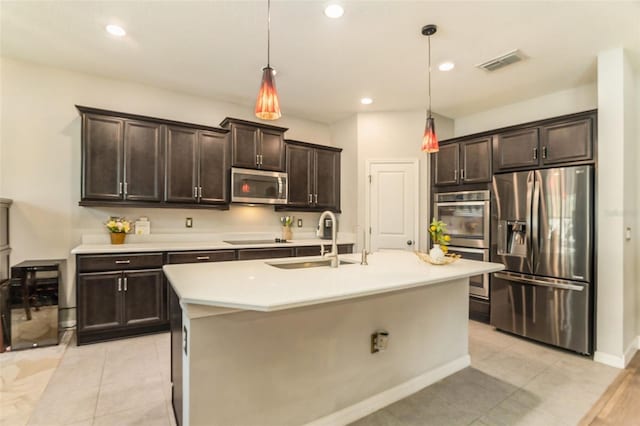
x=502, y=61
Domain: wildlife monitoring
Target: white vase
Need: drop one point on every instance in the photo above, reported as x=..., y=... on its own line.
x=436, y=252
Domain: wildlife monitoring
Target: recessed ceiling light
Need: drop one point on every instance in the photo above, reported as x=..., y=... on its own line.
x=116, y=30
x=446, y=66
x=334, y=11
x=366, y=101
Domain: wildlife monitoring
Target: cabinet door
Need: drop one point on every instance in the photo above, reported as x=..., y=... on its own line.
x=265, y=253
x=214, y=168
x=327, y=179
x=567, y=141
x=300, y=177
x=143, y=161
x=99, y=301
x=244, y=146
x=144, y=297
x=475, y=161
x=445, y=165
x=271, y=150
x=101, y=158
x=516, y=150
x=182, y=164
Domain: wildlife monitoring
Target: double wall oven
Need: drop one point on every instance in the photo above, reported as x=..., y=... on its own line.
x=467, y=216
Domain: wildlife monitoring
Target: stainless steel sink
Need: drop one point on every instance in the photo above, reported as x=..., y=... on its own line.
x=308, y=264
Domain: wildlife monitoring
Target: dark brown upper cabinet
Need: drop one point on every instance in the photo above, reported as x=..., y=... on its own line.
x=516, y=149
x=446, y=163
x=464, y=162
x=102, y=157
x=133, y=160
x=121, y=159
x=143, y=161
x=567, y=141
x=197, y=166
x=555, y=141
x=256, y=145
x=313, y=176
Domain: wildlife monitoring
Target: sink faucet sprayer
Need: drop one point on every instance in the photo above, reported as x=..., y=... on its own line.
x=333, y=255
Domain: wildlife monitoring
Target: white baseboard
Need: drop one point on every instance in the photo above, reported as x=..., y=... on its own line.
x=618, y=361
x=376, y=402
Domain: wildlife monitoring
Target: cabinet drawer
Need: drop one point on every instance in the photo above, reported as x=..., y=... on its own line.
x=265, y=253
x=315, y=250
x=201, y=256
x=308, y=251
x=345, y=248
x=117, y=262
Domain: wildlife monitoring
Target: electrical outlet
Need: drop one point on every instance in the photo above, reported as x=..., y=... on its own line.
x=188, y=222
x=379, y=341
x=299, y=223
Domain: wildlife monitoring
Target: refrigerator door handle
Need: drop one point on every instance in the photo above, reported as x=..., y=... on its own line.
x=561, y=284
x=528, y=218
x=535, y=221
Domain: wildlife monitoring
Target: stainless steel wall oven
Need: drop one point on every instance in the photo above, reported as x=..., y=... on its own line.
x=467, y=216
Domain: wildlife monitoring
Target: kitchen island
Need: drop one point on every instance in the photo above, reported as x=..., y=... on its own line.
x=263, y=343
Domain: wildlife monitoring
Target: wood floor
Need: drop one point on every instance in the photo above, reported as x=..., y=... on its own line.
x=619, y=404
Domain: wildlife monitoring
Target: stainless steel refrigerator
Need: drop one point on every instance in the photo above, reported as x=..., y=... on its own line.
x=542, y=231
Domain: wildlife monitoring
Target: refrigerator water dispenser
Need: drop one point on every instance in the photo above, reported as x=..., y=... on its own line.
x=512, y=238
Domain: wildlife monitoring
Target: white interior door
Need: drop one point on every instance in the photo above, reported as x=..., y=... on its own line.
x=393, y=205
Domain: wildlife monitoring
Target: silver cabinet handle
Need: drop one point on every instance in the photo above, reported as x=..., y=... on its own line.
x=125, y=283
x=119, y=284
x=126, y=187
x=120, y=188
x=544, y=152
x=316, y=198
x=310, y=198
x=261, y=160
x=535, y=153
x=461, y=174
x=195, y=192
x=123, y=262
x=200, y=191
x=455, y=174
x=203, y=258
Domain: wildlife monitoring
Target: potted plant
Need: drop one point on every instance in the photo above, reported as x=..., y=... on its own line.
x=118, y=228
x=440, y=239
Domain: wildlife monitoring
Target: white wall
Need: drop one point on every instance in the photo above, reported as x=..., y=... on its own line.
x=616, y=310
x=40, y=163
x=568, y=101
x=344, y=134
x=636, y=232
x=392, y=135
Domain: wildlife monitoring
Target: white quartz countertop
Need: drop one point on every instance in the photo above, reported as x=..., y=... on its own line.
x=259, y=286
x=193, y=245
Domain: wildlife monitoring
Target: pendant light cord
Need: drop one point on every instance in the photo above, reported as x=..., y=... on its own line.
x=429, y=44
x=268, y=33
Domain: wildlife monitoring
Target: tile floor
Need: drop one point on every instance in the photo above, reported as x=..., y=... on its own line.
x=510, y=382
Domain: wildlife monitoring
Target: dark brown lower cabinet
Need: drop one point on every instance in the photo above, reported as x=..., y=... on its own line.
x=315, y=250
x=115, y=304
x=175, y=319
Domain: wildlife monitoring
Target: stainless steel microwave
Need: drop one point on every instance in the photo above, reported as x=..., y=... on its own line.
x=258, y=186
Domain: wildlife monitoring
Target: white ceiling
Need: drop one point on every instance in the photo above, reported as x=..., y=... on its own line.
x=217, y=48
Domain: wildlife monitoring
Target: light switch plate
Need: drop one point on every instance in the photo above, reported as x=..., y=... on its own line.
x=188, y=222
x=299, y=223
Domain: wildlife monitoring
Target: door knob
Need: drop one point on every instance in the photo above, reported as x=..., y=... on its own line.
x=409, y=242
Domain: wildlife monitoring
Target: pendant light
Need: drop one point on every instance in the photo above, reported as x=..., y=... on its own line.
x=430, y=140
x=267, y=104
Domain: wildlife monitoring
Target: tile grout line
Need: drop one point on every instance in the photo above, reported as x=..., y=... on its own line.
x=95, y=407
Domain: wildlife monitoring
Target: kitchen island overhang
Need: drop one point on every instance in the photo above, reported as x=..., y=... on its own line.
x=266, y=345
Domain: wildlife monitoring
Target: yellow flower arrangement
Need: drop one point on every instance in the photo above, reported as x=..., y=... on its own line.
x=118, y=225
x=438, y=232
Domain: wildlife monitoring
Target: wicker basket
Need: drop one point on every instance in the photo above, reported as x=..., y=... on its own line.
x=448, y=258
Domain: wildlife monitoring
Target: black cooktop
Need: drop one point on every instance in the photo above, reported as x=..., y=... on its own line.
x=241, y=242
